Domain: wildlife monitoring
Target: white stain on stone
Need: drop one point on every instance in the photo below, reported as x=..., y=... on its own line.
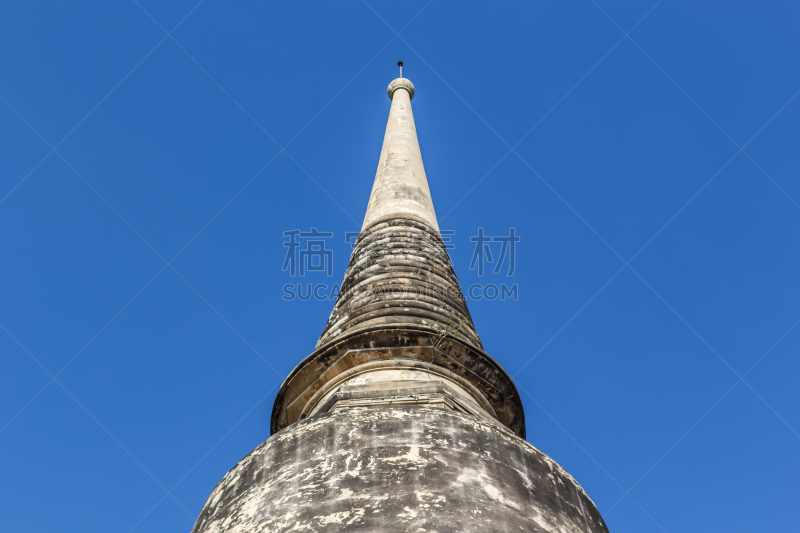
x=340, y=517
x=408, y=512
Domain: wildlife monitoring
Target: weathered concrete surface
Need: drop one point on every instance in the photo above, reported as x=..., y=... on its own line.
x=400, y=189
x=401, y=386
x=397, y=469
x=410, y=346
x=399, y=274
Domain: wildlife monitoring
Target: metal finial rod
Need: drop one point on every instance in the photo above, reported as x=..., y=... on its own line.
x=400, y=64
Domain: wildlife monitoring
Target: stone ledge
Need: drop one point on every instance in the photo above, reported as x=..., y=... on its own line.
x=432, y=393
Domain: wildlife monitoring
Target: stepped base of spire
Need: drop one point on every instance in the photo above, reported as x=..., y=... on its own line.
x=375, y=356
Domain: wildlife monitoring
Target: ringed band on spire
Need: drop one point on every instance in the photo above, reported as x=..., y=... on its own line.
x=401, y=83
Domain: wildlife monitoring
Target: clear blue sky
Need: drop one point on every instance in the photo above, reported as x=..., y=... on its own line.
x=653, y=182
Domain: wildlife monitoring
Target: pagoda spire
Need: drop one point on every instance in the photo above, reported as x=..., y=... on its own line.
x=400, y=189
x=398, y=420
x=400, y=313
x=400, y=273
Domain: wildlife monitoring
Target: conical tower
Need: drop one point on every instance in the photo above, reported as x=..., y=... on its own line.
x=398, y=421
x=400, y=273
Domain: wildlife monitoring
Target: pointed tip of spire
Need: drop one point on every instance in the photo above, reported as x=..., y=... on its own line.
x=401, y=83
